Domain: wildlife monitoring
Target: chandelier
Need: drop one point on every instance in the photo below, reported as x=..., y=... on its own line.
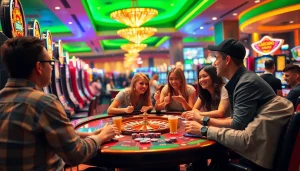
x=134, y=17
x=137, y=35
x=133, y=48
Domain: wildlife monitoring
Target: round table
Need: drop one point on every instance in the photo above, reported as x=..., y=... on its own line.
x=127, y=153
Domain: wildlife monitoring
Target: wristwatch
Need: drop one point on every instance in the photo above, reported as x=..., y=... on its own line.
x=205, y=120
x=204, y=130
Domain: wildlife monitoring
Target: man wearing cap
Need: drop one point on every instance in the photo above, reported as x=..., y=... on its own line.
x=258, y=115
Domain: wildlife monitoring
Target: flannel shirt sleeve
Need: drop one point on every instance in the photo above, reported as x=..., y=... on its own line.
x=62, y=137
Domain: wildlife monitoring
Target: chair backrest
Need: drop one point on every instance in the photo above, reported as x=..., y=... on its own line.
x=298, y=105
x=287, y=157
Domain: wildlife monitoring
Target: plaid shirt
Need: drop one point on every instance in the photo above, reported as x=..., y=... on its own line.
x=35, y=133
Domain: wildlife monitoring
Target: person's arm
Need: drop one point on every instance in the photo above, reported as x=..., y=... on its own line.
x=114, y=106
x=197, y=105
x=188, y=105
x=63, y=139
x=220, y=112
x=293, y=97
x=160, y=105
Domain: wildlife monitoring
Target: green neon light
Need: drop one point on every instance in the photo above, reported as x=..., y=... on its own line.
x=76, y=47
x=275, y=4
x=201, y=39
x=165, y=38
x=199, y=8
x=85, y=5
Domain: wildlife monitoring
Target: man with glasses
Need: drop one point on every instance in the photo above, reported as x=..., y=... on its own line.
x=35, y=132
x=258, y=115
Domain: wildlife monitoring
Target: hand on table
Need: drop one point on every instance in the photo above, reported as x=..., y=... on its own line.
x=146, y=108
x=108, y=132
x=179, y=98
x=193, y=127
x=129, y=109
x=191, y=115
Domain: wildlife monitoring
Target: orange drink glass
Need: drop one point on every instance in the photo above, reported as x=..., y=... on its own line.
x=118, y=121
x=173, y=124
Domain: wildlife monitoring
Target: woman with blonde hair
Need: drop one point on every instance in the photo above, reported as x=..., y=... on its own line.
x=133, y=99
x=177, y=95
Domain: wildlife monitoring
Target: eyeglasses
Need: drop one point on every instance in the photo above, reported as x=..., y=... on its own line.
x=52, y=62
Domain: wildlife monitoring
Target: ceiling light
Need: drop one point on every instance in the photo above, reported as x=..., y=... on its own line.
x=134, y=16
x=98, y=8
x=234, y=14
x=137, y=34
x=257, y=1
x=214, y=18
x=172, y=4
x=291, y=22
x=57, y=8
x=70, y=22
x=133, y=48
x=201, y=27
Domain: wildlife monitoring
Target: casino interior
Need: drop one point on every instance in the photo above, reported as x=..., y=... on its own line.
x=98, y=39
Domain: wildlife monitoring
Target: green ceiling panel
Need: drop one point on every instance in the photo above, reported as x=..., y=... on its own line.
x=170, y=12
x=36, y=9
x=201, y=39
x=76, y=47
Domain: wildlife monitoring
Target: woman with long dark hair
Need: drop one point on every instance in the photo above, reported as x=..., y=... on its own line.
x=213, y=97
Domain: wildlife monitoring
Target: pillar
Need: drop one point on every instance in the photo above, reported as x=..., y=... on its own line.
x=255, y=37
x=176, y=50
x=297, y=37
x=226, y=29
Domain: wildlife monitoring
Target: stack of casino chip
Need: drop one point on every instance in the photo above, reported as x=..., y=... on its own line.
x=171, y=140
x=145, y=135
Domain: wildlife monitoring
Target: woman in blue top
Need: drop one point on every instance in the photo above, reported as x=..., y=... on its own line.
x=133, y=99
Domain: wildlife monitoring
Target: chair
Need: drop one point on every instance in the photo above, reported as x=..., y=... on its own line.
x=91, y=111
x=287, y=156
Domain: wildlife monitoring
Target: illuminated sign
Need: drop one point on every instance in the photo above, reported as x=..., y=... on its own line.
x=34, y=29
x=267, y=45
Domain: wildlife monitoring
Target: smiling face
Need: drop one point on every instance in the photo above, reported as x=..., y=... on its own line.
x=141, y=86
x=174, y=81
x=205, y=80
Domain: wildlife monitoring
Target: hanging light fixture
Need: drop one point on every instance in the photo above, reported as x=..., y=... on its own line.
x=137, y=35
x=134, y=16
x=133, y=48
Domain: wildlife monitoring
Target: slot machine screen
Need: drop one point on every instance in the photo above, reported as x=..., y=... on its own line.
x=285, y=92
x=280, y=63
x=280, y=76
x=260, y=63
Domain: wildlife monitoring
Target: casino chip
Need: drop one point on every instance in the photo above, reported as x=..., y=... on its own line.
x=173, y=139
x=154, y=139
x=138, y=139
x=168, y=140
x=145, y=141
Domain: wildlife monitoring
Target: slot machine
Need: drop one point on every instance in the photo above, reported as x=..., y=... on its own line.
x=66, y=84
x=75, y=82
x=47, y=37
x=56, y=77
x=82, y=78
x=13, y=25
x=87, y=79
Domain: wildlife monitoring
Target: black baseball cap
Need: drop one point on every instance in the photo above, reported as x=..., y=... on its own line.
x=231, y=47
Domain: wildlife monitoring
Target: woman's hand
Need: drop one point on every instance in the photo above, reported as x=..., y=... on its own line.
x=179, y=98
x=191, y=115
x=167, y=99
x=157, y=95
x=129, y=109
